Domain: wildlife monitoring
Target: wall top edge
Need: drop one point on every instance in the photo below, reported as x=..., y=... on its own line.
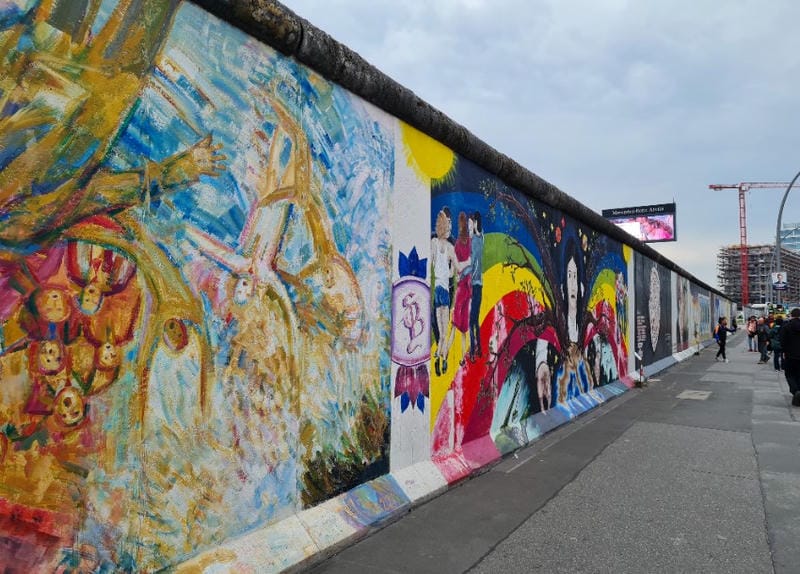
x=276, y=25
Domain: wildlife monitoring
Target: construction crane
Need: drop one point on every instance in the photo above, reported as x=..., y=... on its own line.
x=743, y=188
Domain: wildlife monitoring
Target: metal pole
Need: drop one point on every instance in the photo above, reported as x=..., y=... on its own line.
x=778, y=226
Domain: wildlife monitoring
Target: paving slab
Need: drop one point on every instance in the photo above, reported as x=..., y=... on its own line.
x=781, y=496
x=660, y=514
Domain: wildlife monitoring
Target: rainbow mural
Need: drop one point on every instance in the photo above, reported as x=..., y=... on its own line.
x=530, y=317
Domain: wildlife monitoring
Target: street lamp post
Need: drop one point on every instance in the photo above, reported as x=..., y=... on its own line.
x=778, y=231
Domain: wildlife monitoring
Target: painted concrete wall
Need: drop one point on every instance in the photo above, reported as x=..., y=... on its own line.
x=246, y=316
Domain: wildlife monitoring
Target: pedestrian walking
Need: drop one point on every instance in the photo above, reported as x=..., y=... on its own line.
x=762, y=336
x=752, y=345
x=775, y=344
x=721, y=336
x=790, y=344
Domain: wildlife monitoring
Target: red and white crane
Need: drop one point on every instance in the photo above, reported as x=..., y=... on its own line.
x=743, y=188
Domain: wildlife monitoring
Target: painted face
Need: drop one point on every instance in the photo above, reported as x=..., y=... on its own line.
x=50, y=357
x=243, y=289
x=52, y=305
x=82, y=356
x=328, y=278
x=68, y=408
x=654, y=307
x=175, y=335
x=572, y=281
x=108, y=356
x=442, y=225
x=90, y=299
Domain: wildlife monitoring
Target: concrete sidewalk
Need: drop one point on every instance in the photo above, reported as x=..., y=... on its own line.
x=697, y=472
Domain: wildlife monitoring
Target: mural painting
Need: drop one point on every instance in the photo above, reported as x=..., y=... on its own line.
x=187, y=346
x=684, y=314
x=653, y=310
x=530, y=309
x=721, y=307
x=410, y=355
x=420, y=161
x=701, y=301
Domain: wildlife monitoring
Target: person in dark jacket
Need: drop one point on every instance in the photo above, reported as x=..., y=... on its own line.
x=721, y=336
x=775, y=344
x=790, y=345
x=762, y=335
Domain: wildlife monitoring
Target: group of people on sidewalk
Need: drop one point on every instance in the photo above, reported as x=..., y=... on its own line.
x=765, y=335
x=764, y=338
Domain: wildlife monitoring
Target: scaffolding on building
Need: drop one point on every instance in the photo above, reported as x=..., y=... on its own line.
x=790, y=236
x=760, y=266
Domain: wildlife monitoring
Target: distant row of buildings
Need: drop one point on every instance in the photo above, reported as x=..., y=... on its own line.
x=761, y=264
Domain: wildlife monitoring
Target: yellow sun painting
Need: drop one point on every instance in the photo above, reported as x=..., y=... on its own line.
x=426, y=156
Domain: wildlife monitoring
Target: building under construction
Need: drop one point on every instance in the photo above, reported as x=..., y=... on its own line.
x=760, y=265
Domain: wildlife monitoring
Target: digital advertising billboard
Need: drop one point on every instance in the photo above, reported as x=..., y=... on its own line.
x=648, y=223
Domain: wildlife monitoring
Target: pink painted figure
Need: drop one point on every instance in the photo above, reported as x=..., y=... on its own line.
x=461, y=307
x=412, y=320
x=443, y=262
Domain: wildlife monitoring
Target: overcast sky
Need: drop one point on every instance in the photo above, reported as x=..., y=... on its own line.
x=618, y=103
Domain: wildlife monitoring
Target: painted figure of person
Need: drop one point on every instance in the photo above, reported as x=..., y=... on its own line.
x=476, y=255
x=682, y=320
x=572, y=377
x=327, y=290
x=49, y=314
x=444, y=264
x=544, y=386
x=463, y=271
x=413, y=322
x=654, y=307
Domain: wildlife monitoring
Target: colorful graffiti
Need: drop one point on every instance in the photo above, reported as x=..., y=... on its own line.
x=701, y=299
x=187, y=348
x=693, y=323
x=653, y=311
x=685, y=319
x=530, y=312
